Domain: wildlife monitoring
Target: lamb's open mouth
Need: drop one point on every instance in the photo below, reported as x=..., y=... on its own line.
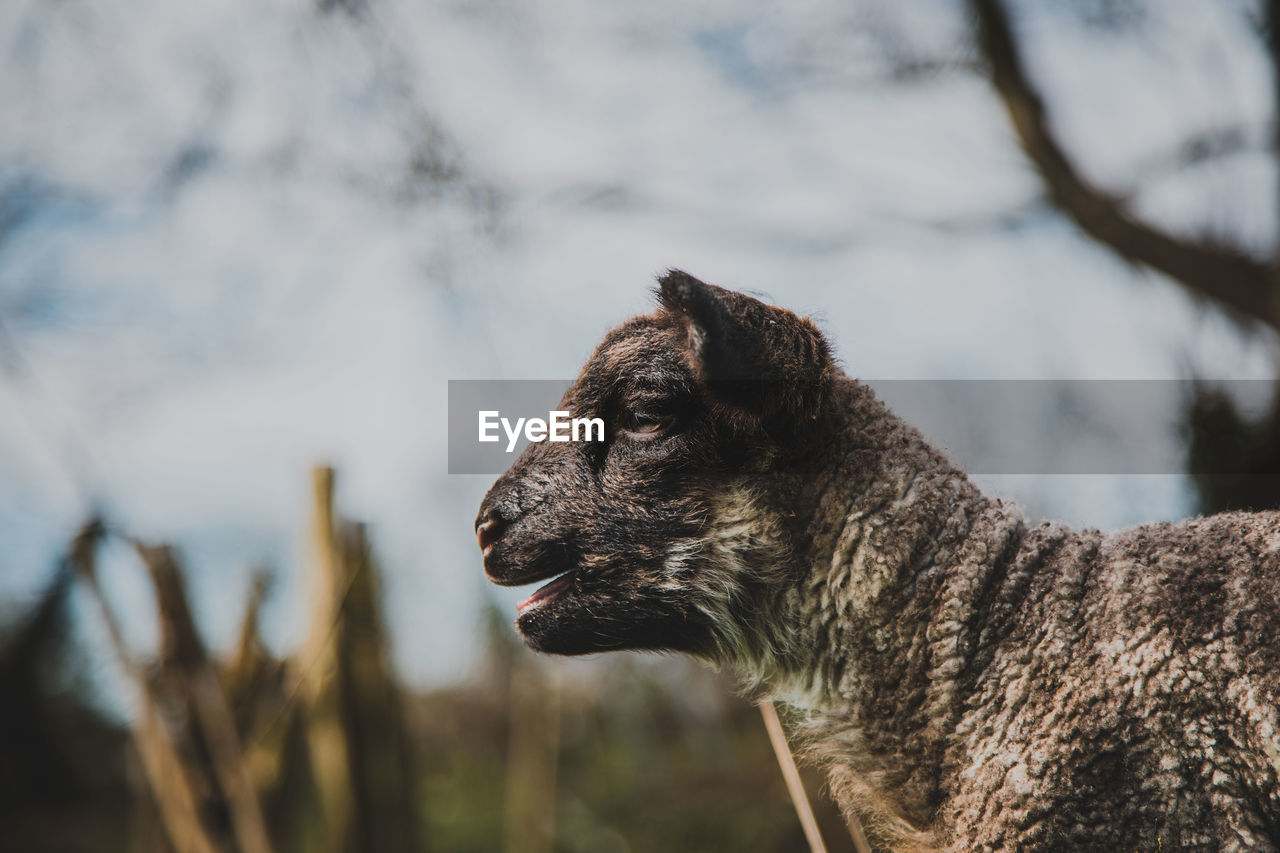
x=546, y=593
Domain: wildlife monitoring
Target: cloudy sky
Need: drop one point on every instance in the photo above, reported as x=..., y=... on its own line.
x=237, y=238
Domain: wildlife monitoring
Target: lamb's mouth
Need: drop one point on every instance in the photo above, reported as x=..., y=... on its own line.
x=545, y=594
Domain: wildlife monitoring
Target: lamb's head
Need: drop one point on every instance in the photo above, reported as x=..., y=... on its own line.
x=673, y=533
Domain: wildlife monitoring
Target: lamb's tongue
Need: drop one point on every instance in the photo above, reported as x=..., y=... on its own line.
x=546, y=591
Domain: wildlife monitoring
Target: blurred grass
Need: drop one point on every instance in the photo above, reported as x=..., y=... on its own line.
x=341, y=757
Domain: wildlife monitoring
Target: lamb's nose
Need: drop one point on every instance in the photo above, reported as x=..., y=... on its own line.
x=489, y=531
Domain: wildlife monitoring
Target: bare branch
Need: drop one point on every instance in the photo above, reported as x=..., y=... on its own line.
x=1228, y=276
x=1272, y=34
x=1207, y=146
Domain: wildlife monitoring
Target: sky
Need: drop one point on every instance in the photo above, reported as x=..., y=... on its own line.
x=239, y=238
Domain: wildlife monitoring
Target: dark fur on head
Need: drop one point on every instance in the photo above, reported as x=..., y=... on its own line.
x=970, y=682
x=702, y=401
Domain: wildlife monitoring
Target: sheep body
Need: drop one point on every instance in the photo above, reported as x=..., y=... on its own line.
x=969, y=682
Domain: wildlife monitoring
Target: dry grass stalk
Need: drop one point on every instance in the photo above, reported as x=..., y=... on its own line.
x=252, y=680
x=185, y=657
x=795, y=787
x=166, y=773
x=355, y=729
x=320, y=665
x=249, y=653
x=354, y=747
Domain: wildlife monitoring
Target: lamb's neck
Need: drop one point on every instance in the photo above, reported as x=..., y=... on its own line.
x=902, y=547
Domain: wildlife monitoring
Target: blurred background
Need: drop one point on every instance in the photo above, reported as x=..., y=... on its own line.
x=241, y=242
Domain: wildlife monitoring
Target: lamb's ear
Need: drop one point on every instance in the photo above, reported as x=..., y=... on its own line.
x=762, y=359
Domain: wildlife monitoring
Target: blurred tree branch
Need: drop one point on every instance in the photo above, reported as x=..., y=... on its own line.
x=1228, y=276
x=1271, y=30
x=1229, y=455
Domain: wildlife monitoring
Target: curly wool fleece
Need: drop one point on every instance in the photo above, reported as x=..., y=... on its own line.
x=969, y=682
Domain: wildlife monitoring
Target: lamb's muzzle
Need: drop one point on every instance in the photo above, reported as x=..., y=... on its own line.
x=969, y=682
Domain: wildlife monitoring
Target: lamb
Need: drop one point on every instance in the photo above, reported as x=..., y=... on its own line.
x=969, y=681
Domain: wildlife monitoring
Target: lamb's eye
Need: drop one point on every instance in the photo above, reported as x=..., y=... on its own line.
x=645, y=423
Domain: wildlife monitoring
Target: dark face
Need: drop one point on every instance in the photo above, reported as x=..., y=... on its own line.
x=622, y=527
